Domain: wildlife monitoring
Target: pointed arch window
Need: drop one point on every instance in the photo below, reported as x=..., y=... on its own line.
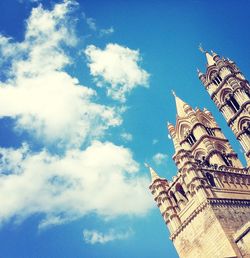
x=180, y=189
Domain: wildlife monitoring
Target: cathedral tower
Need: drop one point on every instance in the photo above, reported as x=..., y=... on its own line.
x=230, y=91
x=206, y=206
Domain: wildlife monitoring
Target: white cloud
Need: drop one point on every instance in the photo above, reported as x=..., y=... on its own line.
x=117, y=68
x=104, y=32
x=47, y=102
x=127, y=136
x=96, y=237
x=102, y=179
x=160, y=158
x=91, y=23
x=41, y=96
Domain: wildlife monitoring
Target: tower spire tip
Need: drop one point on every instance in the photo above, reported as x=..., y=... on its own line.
x=201, y=48
x=173, y=92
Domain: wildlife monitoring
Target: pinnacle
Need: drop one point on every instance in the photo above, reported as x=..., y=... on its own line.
x=153, y=173
x=180, y=104
x=210, y=60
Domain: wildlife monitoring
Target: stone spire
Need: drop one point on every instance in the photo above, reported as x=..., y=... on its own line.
x=181, y=106
x=210, y=60
x=213, y=53
x=153, y=173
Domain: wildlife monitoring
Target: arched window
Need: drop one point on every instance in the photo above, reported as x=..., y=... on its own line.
x=244, y=125
x=180, y=190
x=210, y=179
x=247, y=128
x=233, y=104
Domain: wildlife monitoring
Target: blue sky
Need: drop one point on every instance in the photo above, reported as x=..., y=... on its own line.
x=84, y=101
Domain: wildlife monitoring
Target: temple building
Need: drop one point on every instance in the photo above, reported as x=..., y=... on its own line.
x=206, y=206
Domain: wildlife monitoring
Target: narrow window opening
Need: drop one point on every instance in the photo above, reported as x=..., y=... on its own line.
x=226, y=160
x=173, y=198
x=235, y=103
x=180, y=190
x=210, y=131
x=210, y=179
x=215, y=82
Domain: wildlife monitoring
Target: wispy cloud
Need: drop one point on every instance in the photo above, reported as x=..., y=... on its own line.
x=104, y=32
x=97, y=237
x=160, y=158
x=127, y=136
x=155, y=141
x=91, y=22
x=117, y=68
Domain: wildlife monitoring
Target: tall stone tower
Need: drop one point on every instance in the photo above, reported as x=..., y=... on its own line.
x=207, y=205
x=230, y=91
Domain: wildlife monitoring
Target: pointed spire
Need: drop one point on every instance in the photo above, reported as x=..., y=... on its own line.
x=170, y=124
x=199, y=73
x=230, y=61
x=180, y=106
x=213, y=53
x=154, y=175
x=210, y=60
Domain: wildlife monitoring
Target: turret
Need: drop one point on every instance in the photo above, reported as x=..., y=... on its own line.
x=159, y=188
x=230, y=91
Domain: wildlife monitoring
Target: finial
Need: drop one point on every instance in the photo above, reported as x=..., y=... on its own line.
x=199, y=72
x=173, y=92
x=201, y=48
x=213, y=53
x=146, y=165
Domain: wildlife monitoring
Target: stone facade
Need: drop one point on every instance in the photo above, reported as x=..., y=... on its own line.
x=207, y=205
